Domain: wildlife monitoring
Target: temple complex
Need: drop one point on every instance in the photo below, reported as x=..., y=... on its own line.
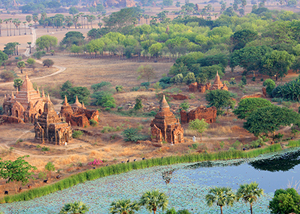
x=27, y=104
x=77, y=115
x=208, y=114
x=165, y=127
x=51, y=128
x=194, y=87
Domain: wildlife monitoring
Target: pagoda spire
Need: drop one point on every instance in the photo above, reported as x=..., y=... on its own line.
x=43, y=94
x=66, y=101
x=77, y=101
x=12, y=95
x=164, y=104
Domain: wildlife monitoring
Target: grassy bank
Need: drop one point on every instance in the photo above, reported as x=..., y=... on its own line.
x=125, y=167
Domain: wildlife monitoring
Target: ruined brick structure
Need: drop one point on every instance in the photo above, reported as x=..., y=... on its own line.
x=51, y=128
x=26, y=105
x=165, y=126
x=194, y=87
x=77, y=115
x=201, y=112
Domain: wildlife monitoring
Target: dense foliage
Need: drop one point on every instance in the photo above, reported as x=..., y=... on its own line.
x=285, y=201
x=248, y=105
x=288, y=91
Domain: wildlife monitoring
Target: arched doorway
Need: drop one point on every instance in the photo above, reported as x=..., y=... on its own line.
x=40, y=111
x=17, y=113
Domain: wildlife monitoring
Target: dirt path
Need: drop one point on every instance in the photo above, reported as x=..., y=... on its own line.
x=27, y=54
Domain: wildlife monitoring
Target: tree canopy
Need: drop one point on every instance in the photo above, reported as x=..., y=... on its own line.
x=248, y=105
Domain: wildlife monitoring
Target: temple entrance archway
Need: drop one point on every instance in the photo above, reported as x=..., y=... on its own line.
x=17, y=113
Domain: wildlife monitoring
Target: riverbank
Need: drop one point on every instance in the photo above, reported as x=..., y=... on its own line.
x=126, y=167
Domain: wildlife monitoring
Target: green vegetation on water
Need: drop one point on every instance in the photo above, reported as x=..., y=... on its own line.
x=121, y=168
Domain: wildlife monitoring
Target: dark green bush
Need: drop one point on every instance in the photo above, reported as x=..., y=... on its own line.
x=93, y=122
x=132, y=134
x=77, y=133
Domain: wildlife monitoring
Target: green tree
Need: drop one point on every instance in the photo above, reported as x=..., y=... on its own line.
x=270, y=119
x=249, y=193
x=285, y=201
x=3, y=57
x=185, y=106
x=249, y=105
x=221, y=196
x=155, y=49
x=146, y=72
x=277, y=63
x=50, y=167
x=18, y=83
x=124, y=206
x=249, y=58
x=220, y=99
x=189, y=78
x=7, y=75
x=199, y=125
x=138, y=104
x=240, y=38
x=16, y=171
x=46, y=42
x=103, y=99
x=270, y=85
x=31, y=62
x=73, y=11
x=177, y=79
x=82, y=93
x=167, y=3
x=74, y=208
x=154, y=200
x=48, y=62
x=10, y=48
x=21, y=65
x=244, y=80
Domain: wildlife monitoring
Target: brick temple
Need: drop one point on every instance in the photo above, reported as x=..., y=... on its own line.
x=51, y=128
x=77, y=115
x=201, y=112
x=194, y=87
x=165, y=126
x=26, y=104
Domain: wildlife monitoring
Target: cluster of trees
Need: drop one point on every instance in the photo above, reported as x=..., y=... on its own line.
x=262, y=117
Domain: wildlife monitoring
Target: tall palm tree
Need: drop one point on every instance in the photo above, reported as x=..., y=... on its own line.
x=249, y=193
x=0, y=25
x=146, y=17
x=74, y=208
x=24, y=23
x=154, y=200
x=124, y=207
x=14, y=22
x=10, y=21
x=221, y=196
x=6, y=21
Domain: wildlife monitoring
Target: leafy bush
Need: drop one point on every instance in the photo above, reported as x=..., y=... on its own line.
x=288, y=91
x=285, y=201
x=166, y=80
x=132, y=134
x=93, y=123
x=244, y=80
x=7, y=75
x=119, y=88
x=138, y=104
x=42, y=175
x=45, y=149
x=145, y=84
x=101, y=86
x=48, y=62
x=270, y=85
x=185, y=106
x=77, y=134
x=103, y=99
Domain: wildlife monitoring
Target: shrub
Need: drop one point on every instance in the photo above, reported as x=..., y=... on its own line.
x=42, y=175
x=145, y=84
x=48, y=62
x=119, y=88
x=77, y=133
x=93, y=122
x=177, y=79
x=185, y=106
x=103, y=99
x=285, y=201
x=253, y=79
x=270, y=85
x=103, y=86
x=244, y=80
x=7, y=75
x=189, y=78
x=138, y=104
x=131, y=134
x=45, y=149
